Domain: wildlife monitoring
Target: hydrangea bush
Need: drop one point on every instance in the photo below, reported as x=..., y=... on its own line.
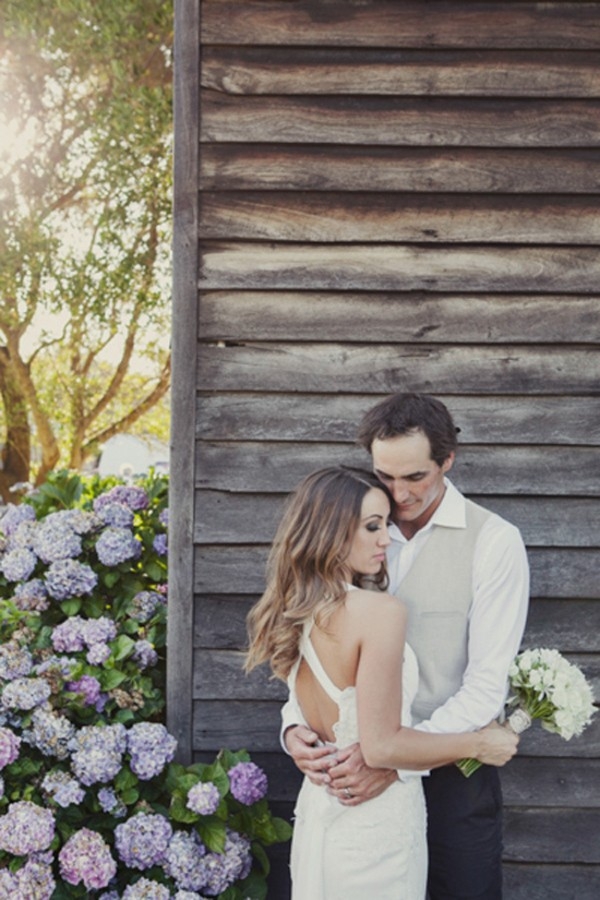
x=92, y=803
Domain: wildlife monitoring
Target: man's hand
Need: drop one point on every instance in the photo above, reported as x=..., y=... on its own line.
x=352, y=781
x=312, y=761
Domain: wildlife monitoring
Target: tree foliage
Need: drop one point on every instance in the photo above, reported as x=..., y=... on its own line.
x=84, y=240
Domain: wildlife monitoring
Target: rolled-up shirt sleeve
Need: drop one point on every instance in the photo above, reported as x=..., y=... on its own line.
x=496, y=625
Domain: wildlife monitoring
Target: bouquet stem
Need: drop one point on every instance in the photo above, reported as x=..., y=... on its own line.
x=518, y=721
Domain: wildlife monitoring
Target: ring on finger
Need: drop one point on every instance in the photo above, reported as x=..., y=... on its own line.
x=347, y=793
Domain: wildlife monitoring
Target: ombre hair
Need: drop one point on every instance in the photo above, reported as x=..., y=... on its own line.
x=306, y=572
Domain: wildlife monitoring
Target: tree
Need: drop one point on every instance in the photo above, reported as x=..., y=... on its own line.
x=85, y=188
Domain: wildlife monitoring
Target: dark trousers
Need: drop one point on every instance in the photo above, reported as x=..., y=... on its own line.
x=464, y=834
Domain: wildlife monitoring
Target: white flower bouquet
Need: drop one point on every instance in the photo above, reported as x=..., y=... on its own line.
x=547, y=687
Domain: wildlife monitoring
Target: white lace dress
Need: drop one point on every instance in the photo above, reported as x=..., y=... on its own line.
x=374, y=851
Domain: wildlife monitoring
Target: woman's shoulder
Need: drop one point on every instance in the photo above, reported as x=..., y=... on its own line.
x=364, y=602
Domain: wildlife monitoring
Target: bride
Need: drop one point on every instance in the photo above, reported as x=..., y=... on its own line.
x=326, y=627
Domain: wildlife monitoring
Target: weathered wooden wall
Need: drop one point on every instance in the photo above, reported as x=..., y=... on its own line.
x=389, y=196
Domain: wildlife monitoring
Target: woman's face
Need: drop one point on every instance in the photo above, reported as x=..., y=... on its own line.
x=367, y=549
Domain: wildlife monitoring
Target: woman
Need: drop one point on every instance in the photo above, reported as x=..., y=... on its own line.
x=341, y=647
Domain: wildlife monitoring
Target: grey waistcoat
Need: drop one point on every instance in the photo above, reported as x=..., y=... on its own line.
x=438, y=593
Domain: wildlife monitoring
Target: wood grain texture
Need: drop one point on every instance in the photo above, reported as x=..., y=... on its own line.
x=551, y=882
x=264, y=166
x=402, y=218
x=383, y=368
x=571, y=626
x=557, y=836
x=566, y=783
x=334, y=70
x=400, y=121
x=388, y=267
x=568, y=573
x=223, y=517
x=334, y=417
x=277, y=467
x=382, y=24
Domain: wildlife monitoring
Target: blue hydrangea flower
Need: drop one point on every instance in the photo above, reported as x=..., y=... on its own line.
x=248, y=782
x=117, y=545
x=99, y=631
x=86, y=858
x=31, y=595
x=142, y=840
x=116, y=514
x=26, y=828
x=15, y=661
x=17, y=565
x=145, y=889
x=50, y=732
x=55, y=540
x=160, y=544
x=68, y=637
x=98, y=654
x=144, y=604
x=224, y=869
x=132, y=496
x=144, y=654
x=14, y=515
x=110, y=803
x=70, y=578
x=150, y=747
x=9, y=746
x=203, y=798
x=64, y=789
x=184, y=861
x=97, y=753
x=25, y=693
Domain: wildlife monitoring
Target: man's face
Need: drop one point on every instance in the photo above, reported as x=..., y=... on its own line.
x=404, y=464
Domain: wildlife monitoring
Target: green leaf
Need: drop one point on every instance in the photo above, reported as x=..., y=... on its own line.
x=122, y=647
x=111, y=678
x=71, y=607
x=213, y=832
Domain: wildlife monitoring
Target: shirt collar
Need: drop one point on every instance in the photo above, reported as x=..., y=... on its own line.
x=451, y=513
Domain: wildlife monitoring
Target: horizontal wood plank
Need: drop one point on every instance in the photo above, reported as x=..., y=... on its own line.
x=255, y=725
x=571, y=626
x=411, y=317
x=334, y=70
x=228, y=518
x=334, y=418
x=407, y=218
x=556, y=836
x=383, y=24
x=506, y=369
x=571, y=573
x=386, y=267
x=399, y=121
x=423, y=169
x=564, y=783
x=550, y=882
x=278, y=467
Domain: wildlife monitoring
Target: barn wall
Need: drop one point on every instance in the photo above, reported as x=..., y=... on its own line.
x=371, y=197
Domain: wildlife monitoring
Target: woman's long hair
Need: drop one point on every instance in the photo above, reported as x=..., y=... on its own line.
x=306, y=573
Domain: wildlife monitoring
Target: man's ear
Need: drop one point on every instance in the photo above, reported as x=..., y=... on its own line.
x=448, y=462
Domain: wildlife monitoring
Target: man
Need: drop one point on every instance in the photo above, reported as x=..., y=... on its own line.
x=462, y=571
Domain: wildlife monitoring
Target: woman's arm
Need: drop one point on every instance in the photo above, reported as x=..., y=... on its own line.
x=384, y=741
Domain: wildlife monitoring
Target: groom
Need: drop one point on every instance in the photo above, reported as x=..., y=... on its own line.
x=462, y=571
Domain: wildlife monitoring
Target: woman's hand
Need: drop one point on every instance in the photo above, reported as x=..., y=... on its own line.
x=312, y=760
x=498, y=744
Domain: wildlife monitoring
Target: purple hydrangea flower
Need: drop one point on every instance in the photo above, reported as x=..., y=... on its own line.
x=117, y=545
x=184, y=861
x=203, y=798
x=14, y=515
x=160, y=544
x=89, y=688
x=26, y=828
x=31, y=595
x=150, y=747
x=116, y=514
x=50, y=732
x=248, y=782
x=144, y=654
x=15, y=661
x=134, y=497
x=17, y=565
x=78, y=520
x=163, y=517
x=98, y=654
x=142, y=841
x=25, y=693
x=98, y=631
x=64, y=789
x=34, y=881
x=145, y=889
x=224, y=869
x=98, y=751
x=55, y=540
x=144, y=604
x=68, y=637
x=9, y=747
x=187, y=895
x=110, y=803
x=70, y=578
x=86, y=858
